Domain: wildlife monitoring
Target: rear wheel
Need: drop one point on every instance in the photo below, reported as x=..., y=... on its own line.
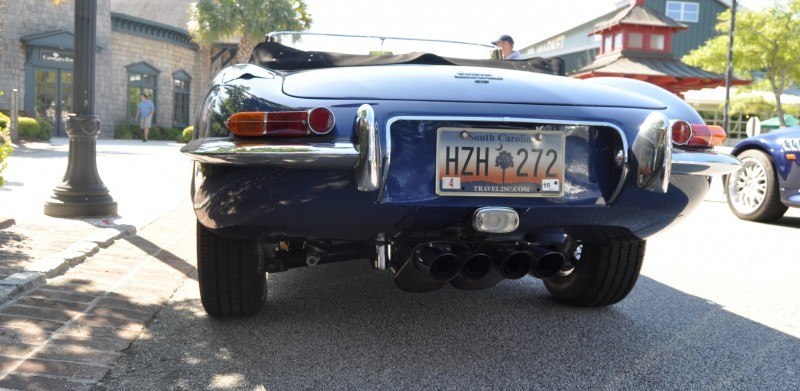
x=602, y=274
x=231, y=275
x=752, y=191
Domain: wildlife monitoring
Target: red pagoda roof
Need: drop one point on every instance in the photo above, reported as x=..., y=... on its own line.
x=659, y=69
x=640, y=14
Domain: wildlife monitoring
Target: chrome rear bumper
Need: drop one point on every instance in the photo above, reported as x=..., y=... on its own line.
x=241, y=153
x=689, y=162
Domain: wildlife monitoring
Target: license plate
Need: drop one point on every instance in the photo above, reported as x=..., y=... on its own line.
x=499, y=162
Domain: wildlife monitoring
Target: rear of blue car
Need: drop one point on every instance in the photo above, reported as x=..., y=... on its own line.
x=441, y=174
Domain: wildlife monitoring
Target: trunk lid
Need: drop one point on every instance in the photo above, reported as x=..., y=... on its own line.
x=457, y=84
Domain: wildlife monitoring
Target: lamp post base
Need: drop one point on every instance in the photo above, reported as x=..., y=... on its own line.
x=80, y=206
x=82, y=193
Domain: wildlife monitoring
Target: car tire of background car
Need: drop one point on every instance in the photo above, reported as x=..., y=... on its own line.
x=604, y=274
x=756, y=167
x=231, y=275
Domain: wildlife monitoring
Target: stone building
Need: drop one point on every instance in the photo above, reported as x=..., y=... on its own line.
x=142, y=46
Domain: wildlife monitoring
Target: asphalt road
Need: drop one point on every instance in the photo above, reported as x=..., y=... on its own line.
x=717, y=307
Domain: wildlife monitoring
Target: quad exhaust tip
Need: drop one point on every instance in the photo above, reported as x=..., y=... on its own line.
x=474, y=265
x=440, y=264
x=433, y=264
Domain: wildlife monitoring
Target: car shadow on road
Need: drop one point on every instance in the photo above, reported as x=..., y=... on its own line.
x=347, y=326
x=161, y=254
x=786, y=221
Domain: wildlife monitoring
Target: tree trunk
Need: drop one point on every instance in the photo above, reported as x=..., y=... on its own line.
x=246, y=46
x=779, y=107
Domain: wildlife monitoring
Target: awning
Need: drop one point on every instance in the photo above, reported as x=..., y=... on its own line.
x=774, y=122
x=58, y=39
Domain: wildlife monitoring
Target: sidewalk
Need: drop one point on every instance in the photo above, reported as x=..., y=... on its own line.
x=67, y=334
x=146, y=181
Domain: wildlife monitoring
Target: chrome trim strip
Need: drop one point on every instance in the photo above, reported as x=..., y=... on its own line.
x=653, y=150
x=368, y=149
x=688, y=162
x=392, y=120
x=312, y=155
x=271, y=37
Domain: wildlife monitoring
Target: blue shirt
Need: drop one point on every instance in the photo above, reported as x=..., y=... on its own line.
x=145, y=108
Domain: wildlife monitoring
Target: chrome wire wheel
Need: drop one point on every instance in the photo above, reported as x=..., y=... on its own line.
x=747, y=188
x=753, y=193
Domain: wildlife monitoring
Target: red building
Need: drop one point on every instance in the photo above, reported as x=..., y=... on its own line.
x=636, y=43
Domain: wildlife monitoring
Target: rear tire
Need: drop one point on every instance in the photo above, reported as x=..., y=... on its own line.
x=604, y=274
x=231, y=275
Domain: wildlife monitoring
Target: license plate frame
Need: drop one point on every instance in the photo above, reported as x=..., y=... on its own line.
x=537, y=153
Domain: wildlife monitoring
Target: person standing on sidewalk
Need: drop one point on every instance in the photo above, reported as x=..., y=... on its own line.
x=506, y=44
x=144, y=114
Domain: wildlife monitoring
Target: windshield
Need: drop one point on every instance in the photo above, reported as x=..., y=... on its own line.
x=374, y=45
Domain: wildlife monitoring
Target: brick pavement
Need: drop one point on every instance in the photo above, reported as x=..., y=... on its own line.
x=27, y=242
x=66, y=335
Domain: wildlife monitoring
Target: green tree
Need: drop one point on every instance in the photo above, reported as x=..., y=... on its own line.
x=250, y=20
x=764, y=41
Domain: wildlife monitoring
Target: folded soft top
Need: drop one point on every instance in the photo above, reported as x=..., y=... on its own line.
x=274, y=55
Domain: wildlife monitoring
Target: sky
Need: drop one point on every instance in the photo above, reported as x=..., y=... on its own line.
x=527, y=21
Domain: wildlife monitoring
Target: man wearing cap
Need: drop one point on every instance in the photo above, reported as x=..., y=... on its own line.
x=506, y=43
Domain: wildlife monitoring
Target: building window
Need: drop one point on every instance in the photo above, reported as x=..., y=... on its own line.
x=683, y=11
x=180, y=102
x=635, y=40
x=607, y=41
x=618, y=41
x=657, y=42
x=142, y=79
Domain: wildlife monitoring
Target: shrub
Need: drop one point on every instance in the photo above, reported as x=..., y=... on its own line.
x=4, y=120
x=125, y=130
x=28, y=129
x=45, y=128
x=155, y=133
x=170, y=134
x=188, y=133
x=5, y=152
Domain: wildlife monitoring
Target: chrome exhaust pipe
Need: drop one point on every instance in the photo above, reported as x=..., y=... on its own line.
x=546, y=263
x=441, y=265
x=474, y=265
x=511, y=263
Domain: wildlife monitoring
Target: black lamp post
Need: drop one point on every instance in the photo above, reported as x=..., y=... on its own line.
x=726, y=120
x=82, y=192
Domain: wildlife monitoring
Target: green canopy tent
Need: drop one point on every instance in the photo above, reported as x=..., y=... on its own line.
x=774, y=123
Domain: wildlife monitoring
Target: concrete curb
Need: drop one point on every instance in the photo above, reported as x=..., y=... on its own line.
x=37, y=272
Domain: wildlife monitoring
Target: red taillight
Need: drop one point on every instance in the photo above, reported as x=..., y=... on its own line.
x=681, y=132
x=286, y=124
x=320, y=120
x=281, y=123
x=697, y=135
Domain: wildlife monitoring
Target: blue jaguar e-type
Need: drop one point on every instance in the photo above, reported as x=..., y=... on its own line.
x=769, y=179
x=440, y=162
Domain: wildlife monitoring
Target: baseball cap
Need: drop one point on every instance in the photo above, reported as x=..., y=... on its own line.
x=504, y=37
